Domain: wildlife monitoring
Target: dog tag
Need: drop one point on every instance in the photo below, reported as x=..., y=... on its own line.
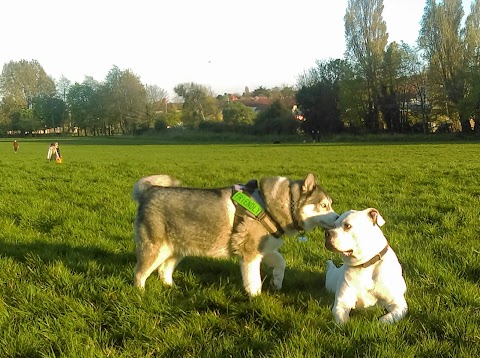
x=302, y=238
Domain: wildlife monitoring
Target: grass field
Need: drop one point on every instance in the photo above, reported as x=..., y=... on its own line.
x=66, y=253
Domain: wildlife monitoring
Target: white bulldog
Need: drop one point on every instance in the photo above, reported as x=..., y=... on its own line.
x=370, y=272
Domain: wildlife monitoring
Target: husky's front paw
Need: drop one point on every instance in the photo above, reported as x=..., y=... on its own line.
x=276, y=284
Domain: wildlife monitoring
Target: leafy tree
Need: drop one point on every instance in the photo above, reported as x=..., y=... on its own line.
x=389, y=95
x=470, y=105
x=199, y=105
x=49, y=111
x=319, y=97
x=3, y=120
x=444, y=48
x=287, y=91
x=25, y=80
x=63, y=86
x=124, y=99
x=165, y=120
x=20, y=83
x=276, y=119
x=156, y=101
x=25, y=121
x=81, y=100
x=282, y=92
x=366, y=39
x=353, y=104
x=413, y=86
x=236, y=113
x=261, y=92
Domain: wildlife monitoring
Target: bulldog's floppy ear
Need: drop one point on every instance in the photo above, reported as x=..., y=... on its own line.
x=375, y=216
x=310, y=183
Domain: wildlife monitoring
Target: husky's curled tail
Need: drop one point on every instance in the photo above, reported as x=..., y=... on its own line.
x=153, y=180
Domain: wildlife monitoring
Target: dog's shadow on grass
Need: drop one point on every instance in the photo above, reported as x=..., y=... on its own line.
x=191, y=274
x=79, y=259
x=194, y=272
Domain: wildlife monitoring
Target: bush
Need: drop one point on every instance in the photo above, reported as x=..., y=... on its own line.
x=160, y=125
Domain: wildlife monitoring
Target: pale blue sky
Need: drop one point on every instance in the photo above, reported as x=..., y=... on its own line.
x=226, y=45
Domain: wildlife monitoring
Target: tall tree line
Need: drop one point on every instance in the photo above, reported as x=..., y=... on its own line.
x=396, y=87
x=121, y=104
x=31, y=100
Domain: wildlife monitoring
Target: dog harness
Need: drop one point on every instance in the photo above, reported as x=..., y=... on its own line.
x=248, y=201
x=374, y=259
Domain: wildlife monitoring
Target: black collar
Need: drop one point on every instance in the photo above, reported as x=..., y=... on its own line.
x=374, y=259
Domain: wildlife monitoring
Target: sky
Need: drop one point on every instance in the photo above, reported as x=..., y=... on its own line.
x=226, y=45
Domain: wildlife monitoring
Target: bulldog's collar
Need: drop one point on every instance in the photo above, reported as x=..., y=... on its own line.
x=373, y=260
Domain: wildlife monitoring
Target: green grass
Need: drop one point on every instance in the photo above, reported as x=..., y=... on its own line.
x=66, y=253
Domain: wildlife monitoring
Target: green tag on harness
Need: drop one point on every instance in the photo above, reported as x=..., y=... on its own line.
x=247, y=202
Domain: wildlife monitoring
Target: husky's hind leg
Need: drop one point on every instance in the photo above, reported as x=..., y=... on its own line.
x=149, y=258
x=275, y=260
x=165, y=270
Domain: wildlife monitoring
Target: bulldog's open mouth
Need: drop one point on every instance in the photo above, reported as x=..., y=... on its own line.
x=347, y=253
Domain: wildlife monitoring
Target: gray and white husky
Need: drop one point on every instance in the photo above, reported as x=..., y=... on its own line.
x=173, y=222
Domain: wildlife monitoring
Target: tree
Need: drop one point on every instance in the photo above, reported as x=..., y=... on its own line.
x=276, y=119
x=63, y=86
x=82, y=100
x=199, y=105
x=319, y=97
x=26, y=121
x=366, y=38
x=25, y=80
x=282, y=92
x=413, y=86
x=389, y=95
x=445, y=51
x=20, y=83
x=236, y=113
x=470, y=105
x=3, y=120
x=261, y=92
x=125, y=99
x=156, y=101
x=49, y=111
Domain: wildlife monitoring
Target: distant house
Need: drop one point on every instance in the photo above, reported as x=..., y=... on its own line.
x=256, y=103
x=232, y=98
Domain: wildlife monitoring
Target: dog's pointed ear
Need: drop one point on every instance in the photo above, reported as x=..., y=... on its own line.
x=252, y=185
x=310, y=183
x=375, y=216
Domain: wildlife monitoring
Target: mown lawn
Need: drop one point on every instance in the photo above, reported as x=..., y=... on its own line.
x=66, y=253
